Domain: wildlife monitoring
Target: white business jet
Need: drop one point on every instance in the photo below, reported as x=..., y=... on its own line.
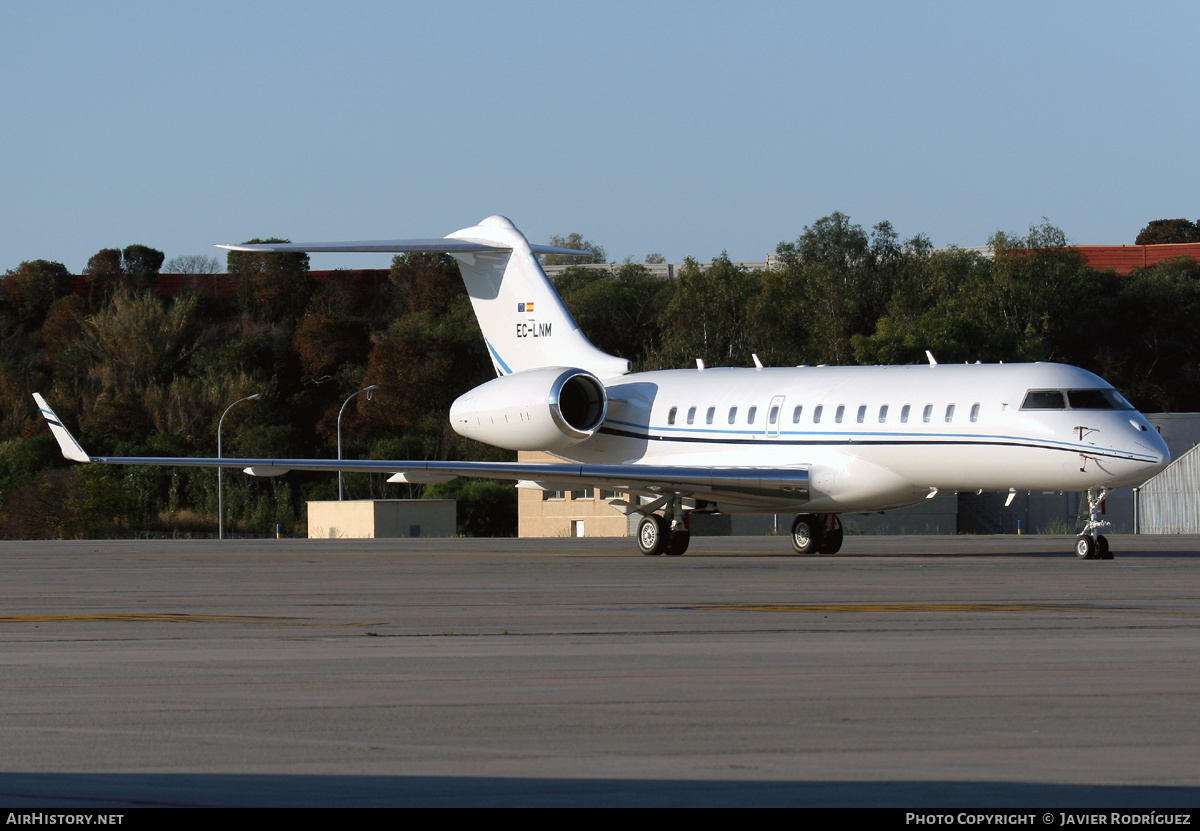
x=820, y=441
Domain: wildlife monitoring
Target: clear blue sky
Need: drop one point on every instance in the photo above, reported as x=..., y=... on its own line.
x=682, y=128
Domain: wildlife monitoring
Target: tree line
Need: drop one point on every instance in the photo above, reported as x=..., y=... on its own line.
x=133, y=373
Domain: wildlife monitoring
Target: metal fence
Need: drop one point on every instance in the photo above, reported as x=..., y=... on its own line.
x=1170, y=502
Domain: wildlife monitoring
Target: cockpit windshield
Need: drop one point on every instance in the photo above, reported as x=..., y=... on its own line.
x=1044, y=400
x=1097, y=400
x=1091, y=399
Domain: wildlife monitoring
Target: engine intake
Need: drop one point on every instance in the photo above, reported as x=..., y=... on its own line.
x=539, y=409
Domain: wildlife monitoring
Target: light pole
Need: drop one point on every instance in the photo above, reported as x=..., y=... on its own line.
x=368, y=391
x=220, y=470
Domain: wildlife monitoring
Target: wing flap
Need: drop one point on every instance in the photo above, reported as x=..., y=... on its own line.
x=730, y=484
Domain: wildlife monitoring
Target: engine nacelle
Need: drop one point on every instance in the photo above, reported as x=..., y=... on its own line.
x=539, y=409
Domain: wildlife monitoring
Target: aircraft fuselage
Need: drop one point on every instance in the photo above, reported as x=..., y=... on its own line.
x=882, y=437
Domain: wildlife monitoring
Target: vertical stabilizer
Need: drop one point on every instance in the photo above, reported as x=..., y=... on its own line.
x=524, y=321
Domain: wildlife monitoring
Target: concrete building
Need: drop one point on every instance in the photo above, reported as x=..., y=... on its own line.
x=379, y=518
x=569, y=512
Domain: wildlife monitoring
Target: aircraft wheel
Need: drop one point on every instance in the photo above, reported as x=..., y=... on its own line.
x=678, y=543
x=832, y=543
x=1102, y=551
x=807, y=533
x=1085, y=547
x=653, y=535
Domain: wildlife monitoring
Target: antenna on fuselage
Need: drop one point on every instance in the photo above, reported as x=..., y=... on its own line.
x=932, y=360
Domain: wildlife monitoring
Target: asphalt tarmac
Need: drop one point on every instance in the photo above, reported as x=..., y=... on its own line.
x=921, y=673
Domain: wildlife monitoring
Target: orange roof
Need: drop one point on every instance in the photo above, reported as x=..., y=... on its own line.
x=1123, y=259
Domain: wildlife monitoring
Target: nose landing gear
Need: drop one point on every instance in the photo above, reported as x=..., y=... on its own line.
x=1091, y=544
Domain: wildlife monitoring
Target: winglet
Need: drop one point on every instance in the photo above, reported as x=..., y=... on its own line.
x=66, y=442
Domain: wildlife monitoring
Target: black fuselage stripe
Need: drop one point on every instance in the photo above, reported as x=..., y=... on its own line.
x=851, y=442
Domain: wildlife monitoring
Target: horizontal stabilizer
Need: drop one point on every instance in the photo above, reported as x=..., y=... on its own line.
x=523, y=320
x=397, y=246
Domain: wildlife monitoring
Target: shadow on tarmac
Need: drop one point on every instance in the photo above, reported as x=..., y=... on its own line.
x=76, y=792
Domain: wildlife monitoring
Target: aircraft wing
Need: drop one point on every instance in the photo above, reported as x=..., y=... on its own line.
x=396, y=246
x=732, y=484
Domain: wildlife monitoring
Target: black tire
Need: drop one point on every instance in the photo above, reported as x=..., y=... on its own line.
x=832, y=542
x=1085, y=547
x=807, y=533
x=653, y=535
x=678, y=542
x=1102, y=550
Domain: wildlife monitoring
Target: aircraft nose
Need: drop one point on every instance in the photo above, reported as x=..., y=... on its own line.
x=1150, y=441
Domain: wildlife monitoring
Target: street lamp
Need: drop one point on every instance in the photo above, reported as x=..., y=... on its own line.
x=220, y=470
x=368, y=391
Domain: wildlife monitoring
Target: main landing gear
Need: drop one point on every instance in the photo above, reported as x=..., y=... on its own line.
x=667, y=534
x=1091, y=544
x=817, y=534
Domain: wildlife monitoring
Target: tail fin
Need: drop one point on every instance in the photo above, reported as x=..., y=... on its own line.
x=524, y=321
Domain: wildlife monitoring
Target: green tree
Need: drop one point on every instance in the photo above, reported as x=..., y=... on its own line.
x=485, y=508
x=577, y=242
x=1168, y=231
x=335, y=331
x=708, y=316
x=141, y=264
x=272, y=287
x=138, y=345
x=1155, y=355
x=104, y=272
x=425, y=283
x=31, y=288
x=618, y=311
x=1041, y=291
x=841, y=278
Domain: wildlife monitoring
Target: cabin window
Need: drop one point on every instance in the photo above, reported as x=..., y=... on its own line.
x=862, y=413
x=750, y=415
x=732, y=414
x=1044, y=400
x=883, y=413
x=708, y=417
x=773, y=418
x=817, y=414
x=691, y=415
x=796, y=414
x=841, y=411
x=949, y=413
x=671, y=415
x=904, y=414
x=974, y=412
x=927, y=414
